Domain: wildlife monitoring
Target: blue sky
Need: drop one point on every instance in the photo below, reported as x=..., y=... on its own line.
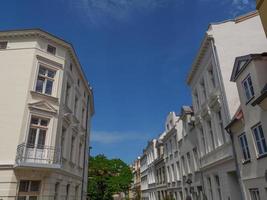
x=136, y=54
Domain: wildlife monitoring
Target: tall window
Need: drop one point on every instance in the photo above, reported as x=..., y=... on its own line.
x=29, y=190
x=188, y=161
x=67, y=191
x=173, y=172
x=178, y=171
x=76, y=192
x=67, y=94
x=210, y=188
x=45, y=80
x=203, y=140
x=248, y=87
x=220, y=121
x=254, y=194
x=211, y=134
x=72, y=147
x=76, y=106
x=195, y=158
x=211, y=77
x=203, y=89
x=260, y=139
x=244, y=145
x=37, y=132
x=80, y=153
x=218, y=185
x=56, y=191
x=196, y=99
x=168, y=174
x=83, y=117
x=62, y=143
x=184, y=167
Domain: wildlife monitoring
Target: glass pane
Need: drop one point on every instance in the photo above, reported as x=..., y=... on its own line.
x=23, y=186
x=51, y=73
x=255, y=130
x=259, y=147
x=49, y=86
x=44, y=122
x=42, y=70
x=39, y=84
x=21, y=198
x=35, y=186
x=31, y=137
x=41, y=139
x=33, y=198
x=34, y=120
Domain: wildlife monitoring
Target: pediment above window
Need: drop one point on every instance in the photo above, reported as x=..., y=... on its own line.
x=43, y=106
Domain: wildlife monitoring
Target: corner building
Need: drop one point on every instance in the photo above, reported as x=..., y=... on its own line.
x=215, y=99
x=46, y=109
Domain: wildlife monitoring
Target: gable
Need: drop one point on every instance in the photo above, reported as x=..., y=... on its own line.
x=43, y=106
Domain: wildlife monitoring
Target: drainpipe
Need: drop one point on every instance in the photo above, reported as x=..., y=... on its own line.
x=85, y=148
x=236, y=165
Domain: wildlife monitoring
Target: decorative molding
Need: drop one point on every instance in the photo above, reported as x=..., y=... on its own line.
x=43, y=106
x=49, y=62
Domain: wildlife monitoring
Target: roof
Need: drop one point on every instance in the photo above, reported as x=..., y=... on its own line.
x=206, y=41
x=237, y=116
x=242, y=62
x=37, y=32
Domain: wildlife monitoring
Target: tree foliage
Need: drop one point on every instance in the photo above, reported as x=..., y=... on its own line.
x=107, y=177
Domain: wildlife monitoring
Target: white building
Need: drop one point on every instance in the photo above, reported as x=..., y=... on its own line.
x=248, y=127
x=46, y=109
x=215, y=99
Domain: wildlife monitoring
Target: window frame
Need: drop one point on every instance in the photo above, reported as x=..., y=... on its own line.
x=249, y=89
x=260, y=140
x=51, y=47
x=254, y=191
x=3, y=45
x=245, y=149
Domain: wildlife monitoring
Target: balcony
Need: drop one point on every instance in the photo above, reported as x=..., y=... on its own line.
x=38, y=156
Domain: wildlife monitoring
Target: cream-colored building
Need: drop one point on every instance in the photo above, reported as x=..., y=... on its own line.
x=215, y=99
x=46, y=109
x=248, y=127
x=261, y=6
x=135, y=190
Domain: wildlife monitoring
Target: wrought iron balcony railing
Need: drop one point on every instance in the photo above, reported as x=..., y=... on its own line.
x=38, y=156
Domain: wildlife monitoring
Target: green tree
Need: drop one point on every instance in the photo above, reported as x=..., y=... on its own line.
x=107, y=177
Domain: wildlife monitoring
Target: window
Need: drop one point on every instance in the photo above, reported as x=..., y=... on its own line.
x=178, y=171
x=78, y=82
x=72, y=147
x=196, y=100
x=67, y=191
x=37, y=133
x=211, y=134
x=80, y=153
x=3, y=44
x=51, y=49
x=220, y=121
x=260, y=139
x=76, y=105
x=70, y=66
x=195, y=158
x=83, y=117
x=203, y=140
x=210, y=188
x=203, y=90
x=45, y=80
x=168, y=174
x=248, y=88
x=76, y=192
x=218, y=185
x=244, y=145
x=62, y=144
x=29, y=186
x=254, y=194
x=56, y=191
x=183, y=167
x=173, y=172
x=67, y=94
x=211, y=76
x=188, y=161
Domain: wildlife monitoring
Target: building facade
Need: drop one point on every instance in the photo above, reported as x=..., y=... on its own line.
x=135, y=191
x=45, y=118
x=261, y=6
x=248, y=127
x=215, y=99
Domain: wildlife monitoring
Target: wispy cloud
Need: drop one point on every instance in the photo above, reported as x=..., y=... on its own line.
x=114, y=137
x=104, y=11
x=239, y=6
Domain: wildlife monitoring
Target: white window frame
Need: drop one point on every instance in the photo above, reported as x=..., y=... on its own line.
x=248, y=88
x=254, y=194
x=46, y=77
x=259, y=139
x=244, y=147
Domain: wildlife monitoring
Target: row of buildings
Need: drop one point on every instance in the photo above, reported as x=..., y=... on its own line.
x=46, y=107
x=215, y=149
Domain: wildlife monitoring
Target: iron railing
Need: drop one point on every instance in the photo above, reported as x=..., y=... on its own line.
x=37, y=155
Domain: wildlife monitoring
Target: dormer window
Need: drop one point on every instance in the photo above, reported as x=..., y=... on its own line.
x=248, y=88
x=3, y=44
x=51, y=49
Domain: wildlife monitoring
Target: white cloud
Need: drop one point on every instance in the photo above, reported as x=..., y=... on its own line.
x=113, y=137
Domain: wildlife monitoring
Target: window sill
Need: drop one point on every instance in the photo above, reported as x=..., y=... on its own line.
x=248, y=101
x=48, y=97
x=246, y=162
x=262, y=156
